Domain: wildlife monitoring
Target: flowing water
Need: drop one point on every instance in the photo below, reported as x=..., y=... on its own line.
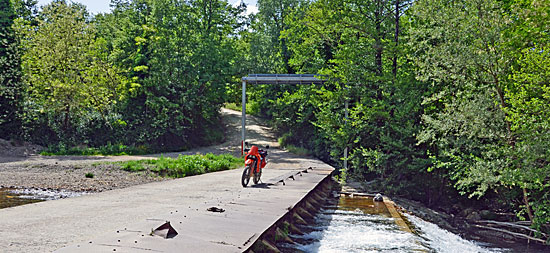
x=358, y=224
x=9, y=199
x=16, y=197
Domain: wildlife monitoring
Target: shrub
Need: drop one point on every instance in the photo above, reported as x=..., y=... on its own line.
x=108, y=149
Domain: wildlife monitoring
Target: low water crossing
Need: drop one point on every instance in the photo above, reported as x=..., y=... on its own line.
x=345, y=224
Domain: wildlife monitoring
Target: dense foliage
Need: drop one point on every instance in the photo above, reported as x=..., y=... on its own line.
x=109, y=149
x=150, y=73
x=70, y=82
x=10, y=73
x=179, y=56
x=448, y=100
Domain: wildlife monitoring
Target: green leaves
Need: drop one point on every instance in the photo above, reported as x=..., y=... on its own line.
x=461, y=99
x=487, y=119
x=180, y=56
x=529, y=97
x=11, y=84
x=67, y=71
x=458, y=50
x=349, y=41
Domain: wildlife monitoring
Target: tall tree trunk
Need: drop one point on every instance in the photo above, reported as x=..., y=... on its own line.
x=286, y=57
x=378, y=49
x=396, y=38
x=527, y=206
x=378, y=38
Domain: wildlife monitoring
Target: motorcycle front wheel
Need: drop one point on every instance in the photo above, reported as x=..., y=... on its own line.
x=246, y=176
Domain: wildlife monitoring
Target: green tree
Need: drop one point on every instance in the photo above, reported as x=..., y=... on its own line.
x=11, y=86
x=179, y=56
x=26, y=10
x=529, y=114
x=528, y=96
x=484, y=120
x=271, y=22
x=458, y=51
x=69, y=79
x=355, y=43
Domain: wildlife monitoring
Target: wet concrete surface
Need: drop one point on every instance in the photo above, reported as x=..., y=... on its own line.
x=122, y=220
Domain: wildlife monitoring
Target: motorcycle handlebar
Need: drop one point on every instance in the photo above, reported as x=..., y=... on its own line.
x=262, y=152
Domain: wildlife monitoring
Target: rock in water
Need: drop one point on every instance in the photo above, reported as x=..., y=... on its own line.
x=378, y=197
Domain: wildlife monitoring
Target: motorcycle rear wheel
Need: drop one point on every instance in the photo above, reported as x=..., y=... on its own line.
x=246, y=176
x=257, y=176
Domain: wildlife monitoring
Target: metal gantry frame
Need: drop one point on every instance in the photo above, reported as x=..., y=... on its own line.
x=281, y=79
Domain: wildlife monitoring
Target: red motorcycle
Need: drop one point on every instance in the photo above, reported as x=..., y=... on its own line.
x=254, y=160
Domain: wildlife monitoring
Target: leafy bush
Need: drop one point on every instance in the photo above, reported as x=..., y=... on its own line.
x=108, y=149
x=298, y=150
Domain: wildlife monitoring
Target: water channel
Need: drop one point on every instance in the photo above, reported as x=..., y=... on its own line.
x=358, y=224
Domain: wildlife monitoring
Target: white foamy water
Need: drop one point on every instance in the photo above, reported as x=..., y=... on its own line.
x=441, y=240
x=355, y=231
x=44, y=194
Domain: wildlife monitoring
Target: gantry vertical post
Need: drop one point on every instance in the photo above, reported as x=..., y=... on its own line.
x=243, y=130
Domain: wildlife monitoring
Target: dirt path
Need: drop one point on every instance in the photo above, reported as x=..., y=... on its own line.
x=68, y=172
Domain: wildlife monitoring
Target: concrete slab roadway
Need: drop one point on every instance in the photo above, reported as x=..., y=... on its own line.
x=122, y=220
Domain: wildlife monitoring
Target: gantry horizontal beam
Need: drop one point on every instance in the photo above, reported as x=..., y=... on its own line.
x=284, y=79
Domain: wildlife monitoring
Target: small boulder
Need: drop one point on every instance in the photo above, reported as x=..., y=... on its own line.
x=474, y=216
x=487, y=215
x=378, y=197
x=466, y=212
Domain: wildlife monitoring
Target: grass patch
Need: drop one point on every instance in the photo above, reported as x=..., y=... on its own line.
x=89, y=175
x=115, y=150
x=252, y=108
x=283, y=142
x=184, y=165
x=298, y=150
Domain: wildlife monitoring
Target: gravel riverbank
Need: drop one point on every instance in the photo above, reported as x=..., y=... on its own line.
x=72, y=177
